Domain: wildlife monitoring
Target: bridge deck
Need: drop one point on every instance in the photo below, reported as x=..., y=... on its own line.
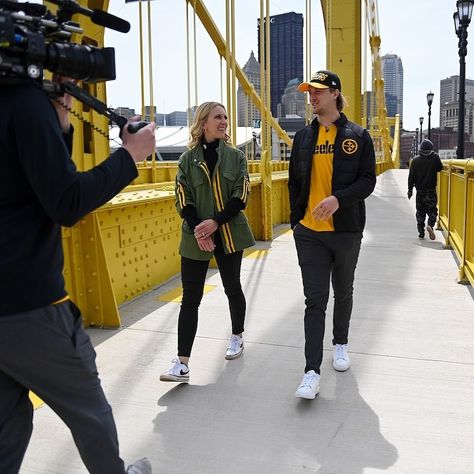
x=405, y=406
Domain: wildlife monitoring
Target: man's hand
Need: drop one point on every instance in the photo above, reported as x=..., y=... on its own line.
x=63, y=104
x=409, y=194
x=326, y=208
x=141, y=144
x=205, y=229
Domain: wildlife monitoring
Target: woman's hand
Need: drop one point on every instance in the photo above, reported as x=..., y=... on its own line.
x=205, y=229
x=206, y=244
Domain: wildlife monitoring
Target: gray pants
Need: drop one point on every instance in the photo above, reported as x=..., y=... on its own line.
x=325, y=256
x=48, y=351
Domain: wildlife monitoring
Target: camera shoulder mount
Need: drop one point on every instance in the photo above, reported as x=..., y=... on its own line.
x=55, y=90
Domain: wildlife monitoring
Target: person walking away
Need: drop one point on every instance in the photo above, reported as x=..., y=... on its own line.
x=423, y=175
x=332, y=171
x=212, y=189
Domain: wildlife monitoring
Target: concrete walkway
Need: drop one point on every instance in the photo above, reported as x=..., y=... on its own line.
x=405, y=406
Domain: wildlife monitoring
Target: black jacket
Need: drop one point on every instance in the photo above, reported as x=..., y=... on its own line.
x=41, y=190
x=423, y=172
x=353, y=177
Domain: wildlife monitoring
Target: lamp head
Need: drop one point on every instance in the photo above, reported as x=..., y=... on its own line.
x=429, y=98
x=457, y=25
x=421, y=121
x=464, y=11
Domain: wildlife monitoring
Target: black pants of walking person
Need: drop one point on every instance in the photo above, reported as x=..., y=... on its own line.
x=326, y=257
x=193, y=276
x=48, y=351
x=426, y=205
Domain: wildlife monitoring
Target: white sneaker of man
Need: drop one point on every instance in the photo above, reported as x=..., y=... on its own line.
x=142, y=466
x=309, y=386
x=235, y=347
x=178, y=373
x=340, y=358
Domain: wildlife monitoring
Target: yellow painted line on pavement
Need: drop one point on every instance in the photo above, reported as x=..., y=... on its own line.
x=176, y=294
x=259, y=253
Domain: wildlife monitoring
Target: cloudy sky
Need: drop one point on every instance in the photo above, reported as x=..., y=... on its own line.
x=421, y=32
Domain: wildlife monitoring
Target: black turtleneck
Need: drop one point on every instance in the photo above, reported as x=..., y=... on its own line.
x=233, y=206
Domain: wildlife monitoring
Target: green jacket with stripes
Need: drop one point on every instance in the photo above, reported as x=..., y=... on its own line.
x=209, y=194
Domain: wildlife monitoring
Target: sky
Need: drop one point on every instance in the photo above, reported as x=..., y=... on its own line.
x=420, y=32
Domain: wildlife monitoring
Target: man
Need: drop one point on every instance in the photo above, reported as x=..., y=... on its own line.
x=43, y=346
x=332, y=171
x=423, y=173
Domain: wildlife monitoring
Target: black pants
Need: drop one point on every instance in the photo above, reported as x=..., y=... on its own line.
x=47, y=351
x=323, y=256
x=193, y=277
x=426, y=205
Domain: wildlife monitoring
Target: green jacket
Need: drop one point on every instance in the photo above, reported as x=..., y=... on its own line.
x=209, y=195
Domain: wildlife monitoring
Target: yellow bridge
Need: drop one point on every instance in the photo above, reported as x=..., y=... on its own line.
x=129, y=246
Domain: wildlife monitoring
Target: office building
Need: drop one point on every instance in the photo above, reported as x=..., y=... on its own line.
x=248, y=115
x=449, y=117
x=392, y=69
x=293, y=102
x=286, y=53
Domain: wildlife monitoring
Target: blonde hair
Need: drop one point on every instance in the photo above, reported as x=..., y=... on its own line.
x=200, y=117
x=341, y=101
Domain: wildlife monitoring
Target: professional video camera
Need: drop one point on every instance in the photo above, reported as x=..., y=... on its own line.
x=33, y=39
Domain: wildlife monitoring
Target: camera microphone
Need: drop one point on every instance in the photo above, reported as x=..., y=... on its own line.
x=99, y=17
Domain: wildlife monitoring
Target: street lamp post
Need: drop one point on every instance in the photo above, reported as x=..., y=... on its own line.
x=421, y=129
x=462, y=18
x=429, y=100
x=416, y=141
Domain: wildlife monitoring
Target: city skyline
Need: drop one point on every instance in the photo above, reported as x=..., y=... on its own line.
x=428, y=50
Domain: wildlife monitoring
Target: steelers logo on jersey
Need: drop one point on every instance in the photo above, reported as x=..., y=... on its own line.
x=349, y=146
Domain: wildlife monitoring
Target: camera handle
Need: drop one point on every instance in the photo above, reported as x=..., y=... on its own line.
x=55, y=88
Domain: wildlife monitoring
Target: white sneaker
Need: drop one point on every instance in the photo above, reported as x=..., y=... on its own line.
x=235, y=347
x=142, y=466
x=178, y=373
x=340, y=358
x=431, y=232
x=309, y=386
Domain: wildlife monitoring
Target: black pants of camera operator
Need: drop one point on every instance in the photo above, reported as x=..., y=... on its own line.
x=47, y=351
x=193, y=277
x=325, y=257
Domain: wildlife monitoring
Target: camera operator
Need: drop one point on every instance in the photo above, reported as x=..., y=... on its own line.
x=43, y=346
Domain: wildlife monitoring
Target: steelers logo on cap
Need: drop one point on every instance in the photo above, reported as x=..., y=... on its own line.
x=349, y=146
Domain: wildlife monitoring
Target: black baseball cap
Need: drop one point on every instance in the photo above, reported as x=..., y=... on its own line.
x=321, y=80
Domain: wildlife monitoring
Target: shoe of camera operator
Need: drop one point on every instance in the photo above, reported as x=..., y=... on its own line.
x=178, y=373
x=235, y=347
x=309, y=386
x=142, y=466
x=340, y=358
x=431, y=232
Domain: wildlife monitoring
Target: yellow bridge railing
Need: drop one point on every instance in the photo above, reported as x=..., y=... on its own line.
x=456, y=213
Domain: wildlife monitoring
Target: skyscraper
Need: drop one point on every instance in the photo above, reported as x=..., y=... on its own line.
x=449, y=105
x=449, y=90
x=392, y=69
x=286, y=53
x=293, y=102
x=247, y=114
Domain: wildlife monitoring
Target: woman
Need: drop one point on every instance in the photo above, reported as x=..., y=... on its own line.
x=212, y=188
